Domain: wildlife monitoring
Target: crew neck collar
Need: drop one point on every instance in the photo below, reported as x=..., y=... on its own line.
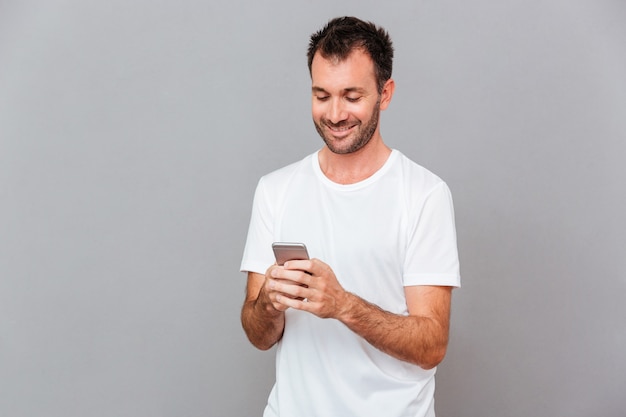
x=357, y=185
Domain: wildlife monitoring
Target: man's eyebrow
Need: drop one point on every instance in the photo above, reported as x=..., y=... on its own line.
x=354, y=90
x=359, y=90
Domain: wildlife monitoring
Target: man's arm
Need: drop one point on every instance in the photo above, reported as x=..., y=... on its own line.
x=262, y=322
x=420, y=338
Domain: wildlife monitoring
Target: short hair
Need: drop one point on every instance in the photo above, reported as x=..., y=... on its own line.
x=343, y=35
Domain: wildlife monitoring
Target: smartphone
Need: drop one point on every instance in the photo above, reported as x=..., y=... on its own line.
x=288, y=251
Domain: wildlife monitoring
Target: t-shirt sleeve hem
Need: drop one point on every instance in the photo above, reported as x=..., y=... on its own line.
x=445, y=280
x=252, y=266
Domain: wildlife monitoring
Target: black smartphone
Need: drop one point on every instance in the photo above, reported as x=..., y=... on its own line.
x=289, y=251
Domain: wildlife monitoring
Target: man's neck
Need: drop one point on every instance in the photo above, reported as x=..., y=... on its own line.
x=356, y=166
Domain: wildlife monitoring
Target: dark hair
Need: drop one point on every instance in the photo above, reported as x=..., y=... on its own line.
x=342, y=35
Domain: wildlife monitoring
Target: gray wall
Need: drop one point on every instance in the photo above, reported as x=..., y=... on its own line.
x=132, y=135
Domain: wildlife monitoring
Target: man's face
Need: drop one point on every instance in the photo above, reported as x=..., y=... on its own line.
x=346, y=103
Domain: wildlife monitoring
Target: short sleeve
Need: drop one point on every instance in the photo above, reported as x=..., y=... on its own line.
x=257, y=255
x=432, y=255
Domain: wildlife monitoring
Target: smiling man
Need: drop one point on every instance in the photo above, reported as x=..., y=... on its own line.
x=363, y=324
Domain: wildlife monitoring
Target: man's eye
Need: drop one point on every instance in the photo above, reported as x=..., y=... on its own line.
x=321, y=98
x=353, y=99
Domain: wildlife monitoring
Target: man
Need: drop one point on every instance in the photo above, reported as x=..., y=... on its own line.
x=360, y=327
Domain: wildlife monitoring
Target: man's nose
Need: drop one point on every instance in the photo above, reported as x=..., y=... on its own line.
x=337, y=111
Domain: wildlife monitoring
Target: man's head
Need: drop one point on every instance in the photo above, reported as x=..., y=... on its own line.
x=343, y=35
x=350, y=65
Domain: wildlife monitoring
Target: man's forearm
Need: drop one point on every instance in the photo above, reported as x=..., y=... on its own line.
x=418, y=340
x=263, y=324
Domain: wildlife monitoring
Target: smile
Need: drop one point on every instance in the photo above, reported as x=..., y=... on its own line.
x=339, y=128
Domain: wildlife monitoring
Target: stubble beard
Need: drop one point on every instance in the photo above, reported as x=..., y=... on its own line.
x=362, y=138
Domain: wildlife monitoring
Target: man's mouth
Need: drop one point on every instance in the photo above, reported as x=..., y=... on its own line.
x=340, y=128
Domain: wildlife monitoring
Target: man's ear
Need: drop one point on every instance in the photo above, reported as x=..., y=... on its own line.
x=387, y=93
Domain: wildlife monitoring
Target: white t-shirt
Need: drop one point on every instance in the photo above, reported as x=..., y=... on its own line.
x=392, y=230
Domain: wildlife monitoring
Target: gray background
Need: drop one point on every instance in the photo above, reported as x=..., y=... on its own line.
x=132, y=135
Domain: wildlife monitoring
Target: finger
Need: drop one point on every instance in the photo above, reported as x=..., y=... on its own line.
x=295, y=303
x=269, y=271
x=295, y=275
x=313, y=267
x=278, y=306
x=303, y=265
x=289, y=289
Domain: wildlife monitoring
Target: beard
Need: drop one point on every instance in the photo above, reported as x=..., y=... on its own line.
x=356, y=140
